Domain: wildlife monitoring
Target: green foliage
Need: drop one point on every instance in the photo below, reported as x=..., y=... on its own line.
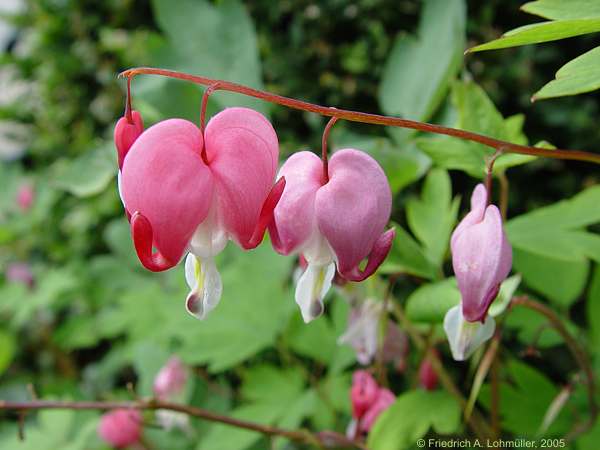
x=477, y=113
x=94, y=320
x=566, y=19
x=411, y=416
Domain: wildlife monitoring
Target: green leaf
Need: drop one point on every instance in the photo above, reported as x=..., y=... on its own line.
x=577, y=76
x=477, y=113
x=406, y=256
x=432, y=217
x=7, y=350
x=216, y=41
x=88, y=174
x=542, y=32
x=409, y=418
x=560, y=280
x=436, y=51
x=593, y=309
x=562, y=10
x=551, y=248
x=533, y=393
x=272, y=394
x=430, y=302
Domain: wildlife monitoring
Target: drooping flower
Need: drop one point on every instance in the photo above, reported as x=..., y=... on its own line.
x=363, y=392
x=368, y=400
x=182, y=198
x=20, y=272
x=170, y=385
x=170, y=381
x=121, y=428
x=482, y=259
x=333, y=222
x=428, y=378
x=385, y=399
x=363, y=330
x=481, y=256
x=25, y=196
x=363, y=335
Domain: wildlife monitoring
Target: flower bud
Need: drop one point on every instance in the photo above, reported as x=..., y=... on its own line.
x=481, y=256
x=170, y=380
x=121, y=427
x=20, y=273
x=363, y=393
x=25, y=196
x=428, y=378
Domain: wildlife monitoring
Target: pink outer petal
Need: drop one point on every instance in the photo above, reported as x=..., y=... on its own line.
x=165, y=180
x=352, y=210
x=242, y=151
x=385, y=399
x=121, y=427
x=294, y=219
x=482, y=258
x=478, y=205
x=363, y=393
x=126, y=134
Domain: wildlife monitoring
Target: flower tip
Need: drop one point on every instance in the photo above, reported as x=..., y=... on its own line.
x=266, y=214
x=380, y=250
x=141, y=233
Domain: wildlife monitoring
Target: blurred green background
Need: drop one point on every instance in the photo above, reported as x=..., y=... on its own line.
x=91, y=320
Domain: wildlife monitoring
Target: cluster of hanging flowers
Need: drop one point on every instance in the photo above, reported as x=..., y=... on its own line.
x=189, y=190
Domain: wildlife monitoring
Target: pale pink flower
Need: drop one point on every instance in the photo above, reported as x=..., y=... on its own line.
x=333, y=223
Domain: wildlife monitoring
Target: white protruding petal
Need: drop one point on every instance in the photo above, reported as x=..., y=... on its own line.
x=465, y=337
x=209, y=239
x=362, y=331
x=206, y=285
x=311, y=289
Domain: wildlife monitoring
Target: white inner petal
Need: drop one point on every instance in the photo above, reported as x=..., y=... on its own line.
x=205, y=283
x=312, y=288
x=209, y=239
x=465, y=337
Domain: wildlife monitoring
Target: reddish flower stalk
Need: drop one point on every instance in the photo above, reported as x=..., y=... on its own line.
x=355, y=116
x=324, y=156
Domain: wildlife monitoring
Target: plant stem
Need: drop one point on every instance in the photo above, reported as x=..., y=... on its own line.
x=578, y=353
x=327, y=440
x=324, y=156
x=355, y=116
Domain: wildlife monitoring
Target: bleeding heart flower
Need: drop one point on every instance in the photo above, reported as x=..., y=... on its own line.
x=385, y=398
x=25, y=196
x=121, y=428
x=339, y=221
x=363, y=329
x=169, y=385
x=481, y=256
x=428, y=377
x=183, y=198
x=170, y=381
x=363, y=392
